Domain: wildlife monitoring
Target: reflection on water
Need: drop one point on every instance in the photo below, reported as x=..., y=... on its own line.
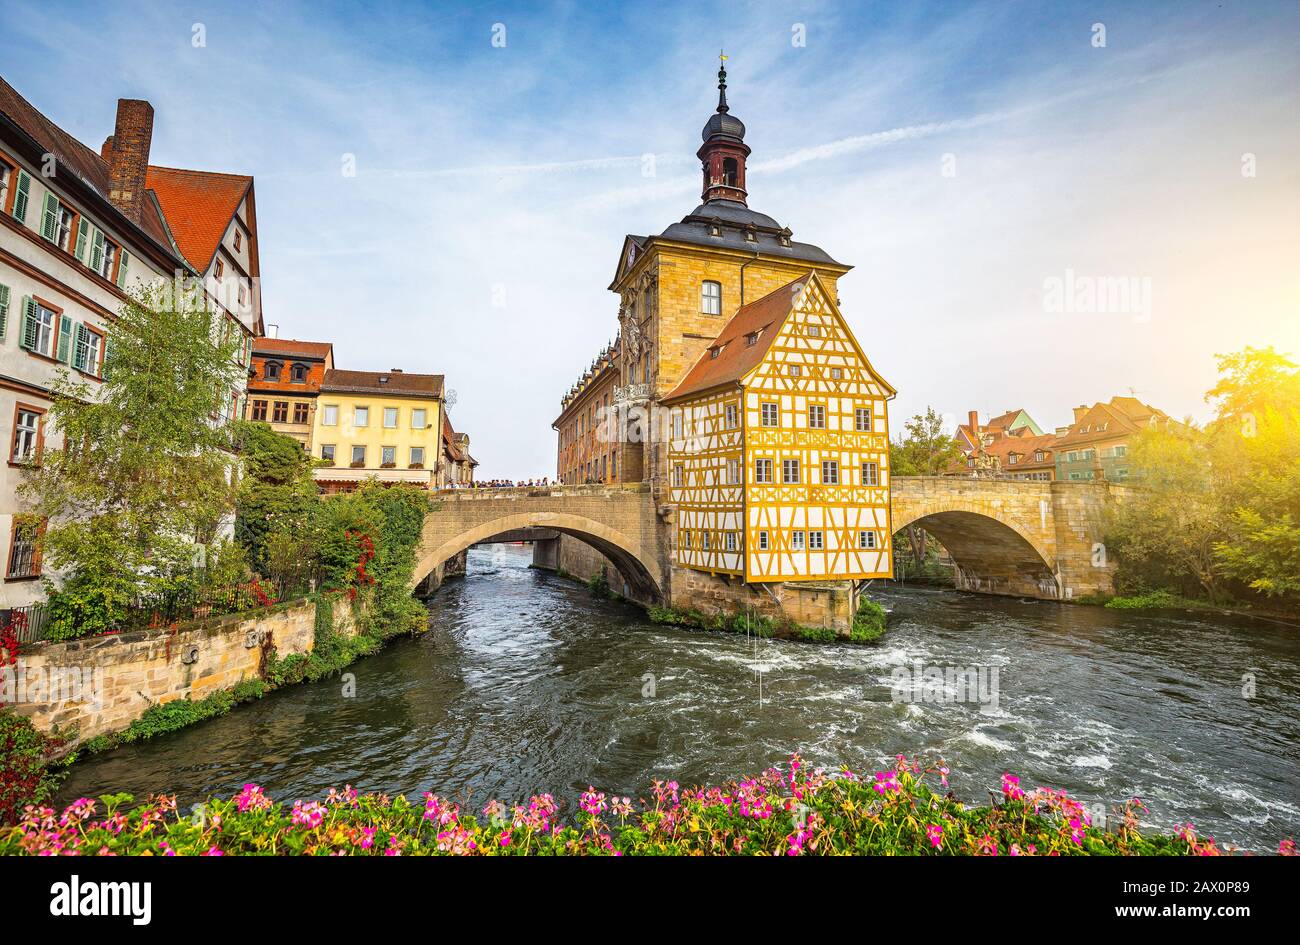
x=526, y=684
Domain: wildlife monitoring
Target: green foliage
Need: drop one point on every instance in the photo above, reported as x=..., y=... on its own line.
x=1218, y=508
x=816, y=634
x=25, y=775
x=906, y=811
x=276, y=502
x=869, y=622
x=81, y=608
x=926, y=450
x=1155, y=600
x=599, y=586
x=143, y=472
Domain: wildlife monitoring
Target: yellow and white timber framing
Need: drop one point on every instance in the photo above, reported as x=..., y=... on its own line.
x=784, y=476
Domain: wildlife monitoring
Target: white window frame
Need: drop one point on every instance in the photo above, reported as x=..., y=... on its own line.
x=830, y=472
x=870, y=473
x=787, y=466
x=360, y=417
x=414, y=451
x=422, y=414
x=762, y=470
x=396, y=414
x=769, y=414
x=816, y=540
x=711, y=297
x=816, y=416
x=862, y=420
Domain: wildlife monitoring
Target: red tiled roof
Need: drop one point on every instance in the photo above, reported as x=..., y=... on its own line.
x=199, y=206
x=393, y=383
x=736, y=358
x=448, y=439
x=289, y=347
x=72, y=154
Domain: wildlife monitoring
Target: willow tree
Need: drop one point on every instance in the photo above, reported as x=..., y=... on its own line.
x=143, y=478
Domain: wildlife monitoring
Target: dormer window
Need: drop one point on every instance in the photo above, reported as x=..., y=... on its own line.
x=752, y=339
x=715, y=351
x=751, y=233
x=715, y=229
x=273, y=369
x=298, y=373
x=221, y=268
x=785, y=237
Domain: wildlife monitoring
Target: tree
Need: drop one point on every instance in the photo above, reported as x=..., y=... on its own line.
x=925, y=451
x=144, y=473
x=275, y=502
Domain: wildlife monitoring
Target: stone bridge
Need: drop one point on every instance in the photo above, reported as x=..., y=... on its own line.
x=1033, y=539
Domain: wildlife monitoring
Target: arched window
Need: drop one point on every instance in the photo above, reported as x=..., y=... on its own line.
x=711, y=298
x=298, y=373
x=273, y=369
x=730, y=172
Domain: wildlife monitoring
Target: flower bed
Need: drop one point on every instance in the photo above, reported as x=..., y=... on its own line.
x=788, y=813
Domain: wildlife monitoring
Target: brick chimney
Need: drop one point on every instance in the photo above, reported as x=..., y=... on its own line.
x=1079, y=412
x=973, y=422
x=128, y=157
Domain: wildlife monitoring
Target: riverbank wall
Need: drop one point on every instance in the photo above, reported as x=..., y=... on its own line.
x=80, y=689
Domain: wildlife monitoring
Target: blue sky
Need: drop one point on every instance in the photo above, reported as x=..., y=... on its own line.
x=961, y=156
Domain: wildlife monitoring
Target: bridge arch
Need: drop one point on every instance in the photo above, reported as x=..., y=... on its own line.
x=625, y=553
x=992, y=553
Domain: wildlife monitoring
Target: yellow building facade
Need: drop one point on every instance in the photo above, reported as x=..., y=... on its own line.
x=382, y=426
x=779, y=447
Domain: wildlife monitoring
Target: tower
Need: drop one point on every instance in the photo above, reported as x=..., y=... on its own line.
x=724, y=151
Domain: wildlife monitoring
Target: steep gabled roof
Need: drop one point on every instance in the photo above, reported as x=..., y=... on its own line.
x=85, y=163
x=199, y=206
x=735, y=357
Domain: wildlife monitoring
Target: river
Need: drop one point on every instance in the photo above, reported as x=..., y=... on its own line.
x=525, y=684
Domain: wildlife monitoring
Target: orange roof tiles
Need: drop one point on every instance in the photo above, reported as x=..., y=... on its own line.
x=319, y=350
x=735, y=358
x=199, y=206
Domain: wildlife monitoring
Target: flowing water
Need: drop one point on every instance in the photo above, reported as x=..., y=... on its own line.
x=526, y=684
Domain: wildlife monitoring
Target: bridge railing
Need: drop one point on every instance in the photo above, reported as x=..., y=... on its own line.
x=583, y=489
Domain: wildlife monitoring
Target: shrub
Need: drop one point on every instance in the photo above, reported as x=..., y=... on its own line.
x=868, y=622
x=80, y=609
x=599, y=585
x=25, y=755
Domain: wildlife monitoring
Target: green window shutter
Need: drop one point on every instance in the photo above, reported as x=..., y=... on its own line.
x=50, y=221
x=96, y=249
x=28, y=339
x=83, y=240
x=21, y=191
x=65, y=339
x=122, y=260
x=104, y=359
x=81, y=348
x=4, y=310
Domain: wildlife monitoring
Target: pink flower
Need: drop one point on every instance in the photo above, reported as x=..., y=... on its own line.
x=252, y=798
x=886, y=782
x=1011, y=788
x=212, y=851
x=592, y=801
x=309, y=815
x=935, y=833
x=1286, y=848
x=367, y=838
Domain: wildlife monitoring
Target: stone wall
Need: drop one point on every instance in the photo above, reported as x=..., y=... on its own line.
x=122, y=675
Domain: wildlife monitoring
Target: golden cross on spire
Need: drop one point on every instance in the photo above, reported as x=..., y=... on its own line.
x=722, y=56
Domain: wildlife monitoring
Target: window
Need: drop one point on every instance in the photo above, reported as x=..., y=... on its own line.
x=299, y=413
x=26, y=447
x=388, y=456
x=866, y=539
x=870, y=474
x=771, y=416
x=358, y=456
x=280, y=412
x=238, y=240
x=22, y=192
x=789, y=470
x=714, y=351
x=361, y=416
x=751, y=339
x=704, y=541
x=329, y=415
x=796, y=541
x=1121, y=451
x=1038, y=456
x=862, y=419
x=677, y=426
x=711, y=298
x=796, y=370
x=297, y=373
x=24, y=557
x=1012, y=459
x=730, y=539
x=419, y=418
x=814, y=541
x=762, y=470
x=837, y=373
x=87, y=350
x=390, y=418
x=830, y=472
x=417, y=457
x=733, y=472
x=63, y=228
x=38, y=327
x=327, y=451
x=679, y=475
x=272, y=370
x=730, y=416
x=762, y=541
x=816, y=417
x=259, y=410
x=686, y=538
x=814, y=331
